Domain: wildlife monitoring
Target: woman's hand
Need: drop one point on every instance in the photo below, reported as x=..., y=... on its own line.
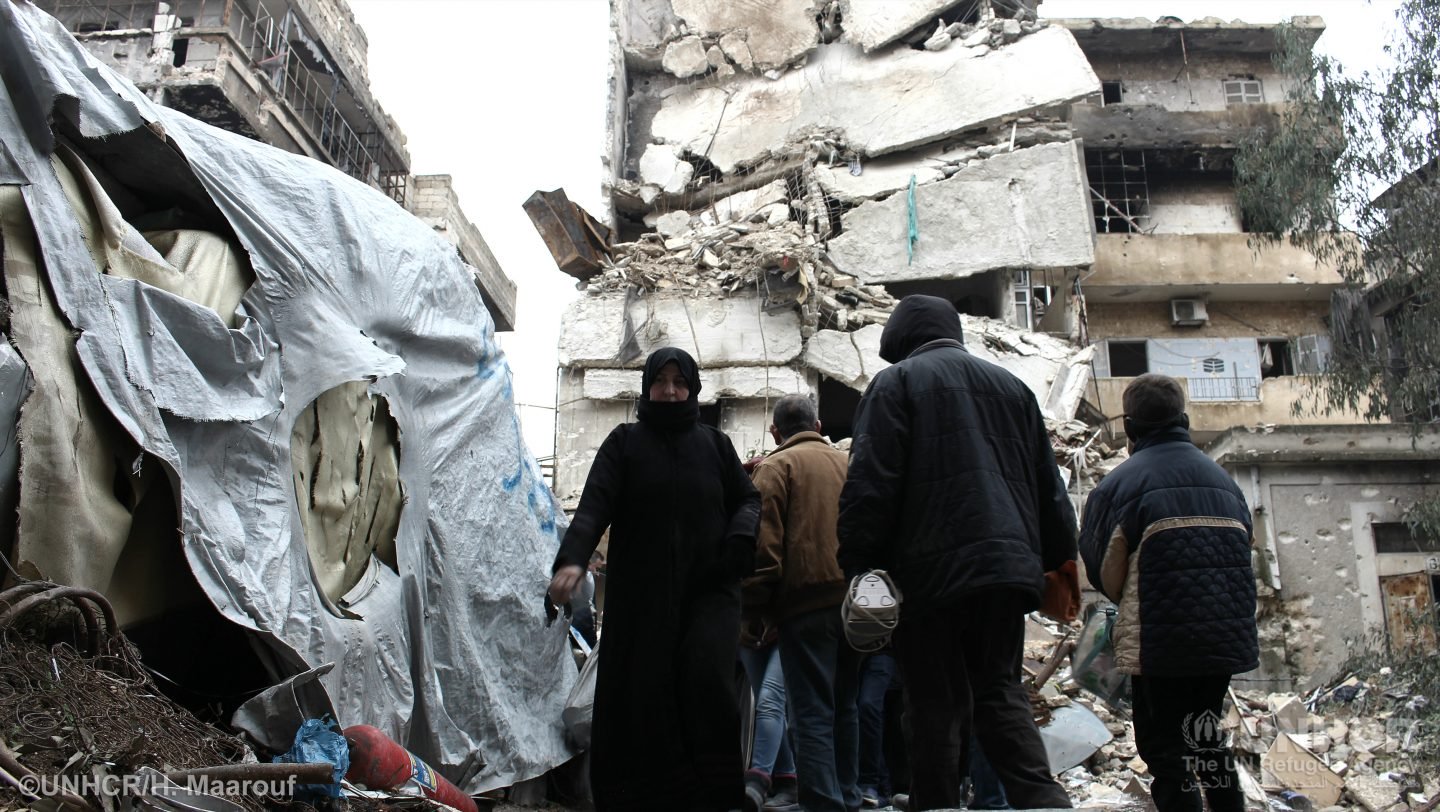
x=564, y=583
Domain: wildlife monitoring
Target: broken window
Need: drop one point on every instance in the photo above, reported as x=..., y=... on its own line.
x=1243, y=91
x=1110, y=92
x=1127, y=358
x=1276, y=358
x=1312, y=354
x=1119, y=190
x=1023, y=297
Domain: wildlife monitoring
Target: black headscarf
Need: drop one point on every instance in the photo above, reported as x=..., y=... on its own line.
x=918, y=320
x=669, y=416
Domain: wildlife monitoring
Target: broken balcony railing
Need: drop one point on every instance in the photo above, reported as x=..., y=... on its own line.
x=320, y=98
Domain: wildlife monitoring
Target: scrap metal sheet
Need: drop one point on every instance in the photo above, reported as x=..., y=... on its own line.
x=449, y=655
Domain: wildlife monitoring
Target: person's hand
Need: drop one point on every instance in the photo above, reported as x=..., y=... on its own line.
x=564, y=583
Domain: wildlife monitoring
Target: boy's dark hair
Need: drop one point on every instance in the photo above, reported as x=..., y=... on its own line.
x=1153, y=400
x=794, y=414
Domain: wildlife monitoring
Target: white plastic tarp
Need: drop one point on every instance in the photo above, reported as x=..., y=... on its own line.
x=449, y=655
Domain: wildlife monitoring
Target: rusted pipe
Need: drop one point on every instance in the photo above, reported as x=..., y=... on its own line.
x=317, y=773
x=76, y=595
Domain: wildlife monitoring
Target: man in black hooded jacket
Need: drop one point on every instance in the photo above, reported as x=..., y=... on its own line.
x=954, y=491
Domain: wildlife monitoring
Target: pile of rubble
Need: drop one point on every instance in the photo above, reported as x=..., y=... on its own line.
x=1368, y=743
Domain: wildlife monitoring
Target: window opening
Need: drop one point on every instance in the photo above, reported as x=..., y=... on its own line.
x=1110, y=91
x=1395, y=537
x=1276, y=358
x=1243, y=91
x=1213, y=366
x=1128, y=358
x=1119, y=190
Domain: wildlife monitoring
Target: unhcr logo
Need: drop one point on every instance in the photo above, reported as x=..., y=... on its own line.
x=1202, y=731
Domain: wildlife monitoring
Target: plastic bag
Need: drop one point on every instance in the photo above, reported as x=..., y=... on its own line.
x=1093, y=663
x=319, y=740
x=579, y=709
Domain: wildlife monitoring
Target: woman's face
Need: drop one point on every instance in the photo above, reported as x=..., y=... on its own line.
x=669, y=385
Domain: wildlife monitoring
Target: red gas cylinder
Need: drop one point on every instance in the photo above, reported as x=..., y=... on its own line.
x=377, y=762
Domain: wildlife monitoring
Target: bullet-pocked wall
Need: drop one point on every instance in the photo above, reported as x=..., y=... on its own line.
x=1322, y=579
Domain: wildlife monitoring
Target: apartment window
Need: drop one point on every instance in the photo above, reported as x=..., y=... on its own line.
x=1127, y=358
x=1243, y=91
x=1119, y=189
x=1276, y=358
x=1110, y=91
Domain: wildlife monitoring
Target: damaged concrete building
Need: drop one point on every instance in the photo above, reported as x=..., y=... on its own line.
x=781, y=173
x=1177, y=287
x=290, y=73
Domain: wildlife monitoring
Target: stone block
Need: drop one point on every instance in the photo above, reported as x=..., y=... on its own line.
x=718, y=332
x=777, y=31
x=1023, y=209
x=884, y=105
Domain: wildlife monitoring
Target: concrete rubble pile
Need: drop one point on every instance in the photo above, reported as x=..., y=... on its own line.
x=780, y=174
x=1367, y=742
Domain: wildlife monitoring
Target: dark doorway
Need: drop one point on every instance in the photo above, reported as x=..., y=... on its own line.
x=837, y=409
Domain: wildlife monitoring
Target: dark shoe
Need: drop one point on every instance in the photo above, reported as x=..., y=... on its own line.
x=900, y=801
x=784, y=794
x=870, y=798
x=754, y=799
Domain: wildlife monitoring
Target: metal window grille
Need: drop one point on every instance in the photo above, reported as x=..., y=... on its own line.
x=1243, y=91
x=1213, y=366
x=1119, y=190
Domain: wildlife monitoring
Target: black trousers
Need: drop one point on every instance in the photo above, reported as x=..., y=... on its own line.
x=961, y=667
x=1177, y=731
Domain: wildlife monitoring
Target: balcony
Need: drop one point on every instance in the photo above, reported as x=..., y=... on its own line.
x=1219, y=267
x=1216, y=405
x=1149, y=126
x=248, y=66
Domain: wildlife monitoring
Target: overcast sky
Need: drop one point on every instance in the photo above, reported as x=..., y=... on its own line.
x=508, y=96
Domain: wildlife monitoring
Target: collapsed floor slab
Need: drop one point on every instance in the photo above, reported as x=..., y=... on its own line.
x=875, y=23
x=608, y=331
x=776, y=33
x=1005, y=212
x=881, y=105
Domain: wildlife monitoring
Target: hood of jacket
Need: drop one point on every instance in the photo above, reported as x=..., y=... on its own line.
x=918, y=320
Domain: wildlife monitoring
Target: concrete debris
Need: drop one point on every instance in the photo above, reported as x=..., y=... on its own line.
x=738, y=50
x=880, y=105
x=940, y=40
x=777, y=32
x=686, y=57
x=662, y=166
x=872, y=24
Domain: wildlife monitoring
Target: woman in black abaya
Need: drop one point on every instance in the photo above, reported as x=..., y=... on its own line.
x=682, y=516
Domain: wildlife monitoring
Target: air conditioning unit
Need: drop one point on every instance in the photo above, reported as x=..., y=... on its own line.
x=1188, y=312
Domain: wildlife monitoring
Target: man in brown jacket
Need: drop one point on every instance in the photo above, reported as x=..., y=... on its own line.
x=799, y=585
